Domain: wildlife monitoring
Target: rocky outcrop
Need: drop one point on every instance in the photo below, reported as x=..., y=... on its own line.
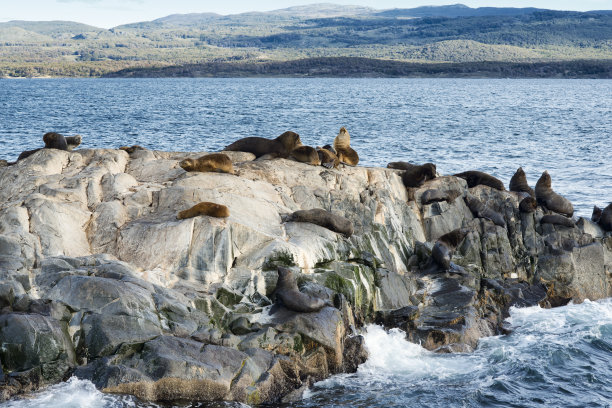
x=99, y=279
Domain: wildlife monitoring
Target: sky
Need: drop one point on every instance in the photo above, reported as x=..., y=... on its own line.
x=111, y=13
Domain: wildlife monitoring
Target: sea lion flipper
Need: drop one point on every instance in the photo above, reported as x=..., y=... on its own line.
x=328, y=165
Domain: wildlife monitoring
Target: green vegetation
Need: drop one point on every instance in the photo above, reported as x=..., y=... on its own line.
x=240, y=44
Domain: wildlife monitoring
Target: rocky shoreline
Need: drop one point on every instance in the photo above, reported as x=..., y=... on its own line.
x=98, y=278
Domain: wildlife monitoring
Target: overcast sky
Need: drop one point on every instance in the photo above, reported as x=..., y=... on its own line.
x=110, y=13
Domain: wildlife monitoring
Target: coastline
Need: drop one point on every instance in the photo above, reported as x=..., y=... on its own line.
x=96, y=260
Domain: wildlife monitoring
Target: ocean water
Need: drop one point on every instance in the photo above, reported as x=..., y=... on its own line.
x=553, y=358
x=493, y=125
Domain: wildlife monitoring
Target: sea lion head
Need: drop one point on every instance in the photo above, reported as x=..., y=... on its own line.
x=343, y=140
x=330, y=148
x=545, y=180
x=429, y=171
x=187, y=164
x=596, y=216
x=290, y=140
x=528, y=205
x=285, y=277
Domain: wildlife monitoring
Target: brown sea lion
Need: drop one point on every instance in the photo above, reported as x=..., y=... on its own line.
x=400, y=165
x=344, y=151
x=444, y=247
x=551, y=200
x=417, y=175
x=54, y=140
x=131, y=149
x=475, y=178
x=437, y=195
x=215, y=162
x=596, y=215
x=325, y=219
x=605, y=220
x=557, y=219
x=306, y=154
x=518, y=183
x=288, y=292
x=205, y=208
x=482, y=211
x=73, y=142
x=328, y=157
x=259, y=146
x=528, y=205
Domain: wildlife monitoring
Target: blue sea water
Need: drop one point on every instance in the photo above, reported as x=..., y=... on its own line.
x=493, y=125
x=554, y=358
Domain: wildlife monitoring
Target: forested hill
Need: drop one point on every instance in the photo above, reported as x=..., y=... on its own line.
x=444, y=34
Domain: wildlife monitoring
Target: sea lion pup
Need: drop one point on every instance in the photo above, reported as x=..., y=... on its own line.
x=306, y=154
x=441, y=254
x=54, y=140
x=73, y=142
x=205, y=208
x=131, y=149
x=596, y=215
x=557, y=219
x=417, y=175
x=344, y=151
x=482, y=211
x=528, y=205
x=518, y=183
x=288, y=292
x=437, y=195
x=259, y=146
x=328, y=157
x=551, y=200
x=475, y=178
x=325, y=219
x=605, y=220
x=400, y=165
x=215, y=162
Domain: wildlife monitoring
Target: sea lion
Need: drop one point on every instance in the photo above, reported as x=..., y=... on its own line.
x=73, y=142
x=482, y=211
x=28, y=153
x=215, y=162
x=131, y=149
x=400, y=165
x=344, y=151
x=528, y=205
x=437, y=195
x=325, y=219
x=596, y=215
x=605, y=220
x=306, y=154
x=288, y=292
x=417, y=175
x=557, y=219
x=551, y=200
x=54, y=140
x=205, y=208
x=475, y=178
x=442, y=252
x=518, y=183
x=259, y=146
x=328, y=157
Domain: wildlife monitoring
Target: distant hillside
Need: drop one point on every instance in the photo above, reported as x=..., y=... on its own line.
x=454, y=33
x=457, y=10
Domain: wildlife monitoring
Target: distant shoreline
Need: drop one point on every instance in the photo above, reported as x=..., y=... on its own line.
x=351, y=67
x=356, y=67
